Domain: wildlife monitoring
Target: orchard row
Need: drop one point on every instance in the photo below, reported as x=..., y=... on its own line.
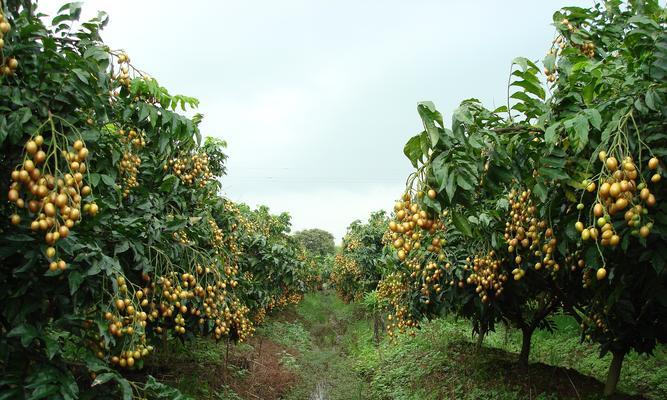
x=114, y=237
x=551, y=204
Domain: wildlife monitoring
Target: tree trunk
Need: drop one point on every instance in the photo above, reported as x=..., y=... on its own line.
x=614, y=372
x=527, y=334
x=480, y=340
x=376, y=328
x=224, y=373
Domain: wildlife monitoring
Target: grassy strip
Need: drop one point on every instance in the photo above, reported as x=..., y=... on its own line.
x=441, y=362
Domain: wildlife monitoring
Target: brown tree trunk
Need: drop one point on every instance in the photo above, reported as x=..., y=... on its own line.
x=527, y=334
x=614, y=372
x=376, y=328
x=480, y=340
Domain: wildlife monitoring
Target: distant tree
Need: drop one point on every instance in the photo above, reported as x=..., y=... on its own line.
x=317, y=241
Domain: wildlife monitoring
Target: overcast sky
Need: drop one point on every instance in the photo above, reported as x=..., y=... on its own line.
x=317, y=98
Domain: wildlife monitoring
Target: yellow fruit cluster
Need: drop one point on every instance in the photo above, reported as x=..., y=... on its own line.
x=132, y=142
x=217, y=236
x=394, y=289
x=404, y=233
x=123, y=76
x=192, y=169
x=486, y=275
x=170, y=302
x=528, y=238
x=619, y=189
x=51, y=196
x=9, y=64
x=345, y=270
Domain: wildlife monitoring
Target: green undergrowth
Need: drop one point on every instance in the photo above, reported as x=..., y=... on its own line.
x=327, y=333
x=442, y=362
x=328, y=345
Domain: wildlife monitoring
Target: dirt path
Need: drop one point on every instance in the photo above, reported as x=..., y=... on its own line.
x=330, y=330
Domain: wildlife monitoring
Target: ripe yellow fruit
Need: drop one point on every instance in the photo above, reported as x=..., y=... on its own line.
x=653, y=163
x=602, y=155
x=591, y=187
x=612, y=164
x=579, y=226
x=601, y=274
x=585, y=235
x=621, y=203
x=604, y=189
x=615, y=189
x=13, y=195
x=31, y=147
x=655, y=178
x=431, y=194
x=50, y=252
x=598, y=210
x=16, y=219
x=93, y=209
x=644, y=231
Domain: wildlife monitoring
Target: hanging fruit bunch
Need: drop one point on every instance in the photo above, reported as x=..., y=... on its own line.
x=9, y=64
x=192, y=169
x=132, y=142
x=528, y=238
x=123, y=76
x=623, y=196
x=409, y=215
x=48, y=187
x=394, y=288
x=127, y=322
x=487, y=275
x=344, y=274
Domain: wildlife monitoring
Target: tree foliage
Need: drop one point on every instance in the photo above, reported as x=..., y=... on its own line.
x=553, y=202
x=113, y=236
x=358, y=266
x=317, y=241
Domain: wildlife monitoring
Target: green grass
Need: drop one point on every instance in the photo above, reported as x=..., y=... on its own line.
x=440, y=362
x=330, y=344
x=335, y=331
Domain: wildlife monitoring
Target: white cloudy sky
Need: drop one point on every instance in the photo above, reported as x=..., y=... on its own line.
x=317, y=98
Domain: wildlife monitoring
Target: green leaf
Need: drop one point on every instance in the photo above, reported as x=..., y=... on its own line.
x=579, y=126
x=430, y=116
x=450, y=186
x=104, y=378
x=594, y=118
x=413, y=150
x=27, y=333
x=549, y=62
x=75, y=278
x=551, y=134
x=169, y=183
x=440, y=170
x=94, y=179
x=52, y=346
x=109, y=181
x=121, y=247
x=461, y=223
x=541, y=191
x=81, y=74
